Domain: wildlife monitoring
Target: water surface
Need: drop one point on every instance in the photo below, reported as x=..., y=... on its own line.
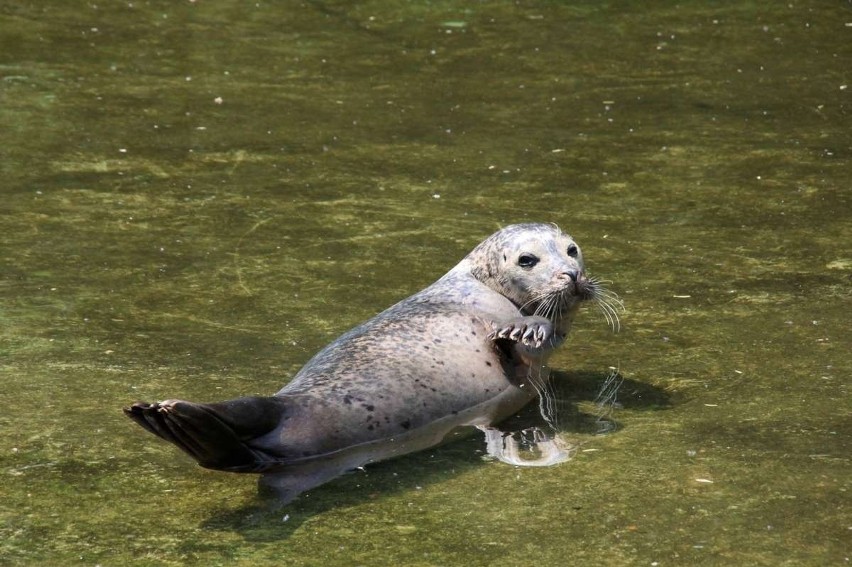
x=198, y=196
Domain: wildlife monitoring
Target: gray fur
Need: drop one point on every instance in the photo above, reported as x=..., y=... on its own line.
x=460, y=352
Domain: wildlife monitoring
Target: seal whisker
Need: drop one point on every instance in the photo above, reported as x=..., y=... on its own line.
x=607, y=301
x=536, y=298
x=563, y=302
x=556, y=306
x=610, y=314
x=604, y=292
x=605, y=308
x=613, y=305
x=612, y=298
x=600, y=292
x=545, y=305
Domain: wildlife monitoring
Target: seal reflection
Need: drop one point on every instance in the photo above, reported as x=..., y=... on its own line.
x=540, y=438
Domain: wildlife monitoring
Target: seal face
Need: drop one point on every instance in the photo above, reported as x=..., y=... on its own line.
x=469, y=349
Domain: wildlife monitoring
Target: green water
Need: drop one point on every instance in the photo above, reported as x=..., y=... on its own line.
x=197, y=196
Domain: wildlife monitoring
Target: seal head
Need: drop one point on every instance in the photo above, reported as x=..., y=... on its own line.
x=539, y=268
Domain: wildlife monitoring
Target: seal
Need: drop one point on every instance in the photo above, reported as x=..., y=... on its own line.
x=469, y=350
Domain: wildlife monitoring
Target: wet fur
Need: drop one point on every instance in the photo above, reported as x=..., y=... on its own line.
x=470, y=349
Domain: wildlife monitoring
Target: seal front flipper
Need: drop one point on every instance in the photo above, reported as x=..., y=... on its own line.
x=531, y=331
x=218, y=435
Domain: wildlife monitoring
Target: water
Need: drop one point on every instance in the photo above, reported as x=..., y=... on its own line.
x=198, y=196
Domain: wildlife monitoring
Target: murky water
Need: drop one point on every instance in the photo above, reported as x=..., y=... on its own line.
x=197, y=196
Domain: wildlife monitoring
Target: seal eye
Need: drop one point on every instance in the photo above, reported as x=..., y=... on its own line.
x=572, y=250
x=527, y=261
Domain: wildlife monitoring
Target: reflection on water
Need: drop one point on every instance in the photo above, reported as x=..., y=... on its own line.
x=549, y=430
x=530, y=447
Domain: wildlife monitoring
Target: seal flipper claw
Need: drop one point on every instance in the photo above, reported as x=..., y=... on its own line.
x=218, y=435
x=527, y=330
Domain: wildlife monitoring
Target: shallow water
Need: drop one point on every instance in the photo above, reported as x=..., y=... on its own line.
x=198, y=196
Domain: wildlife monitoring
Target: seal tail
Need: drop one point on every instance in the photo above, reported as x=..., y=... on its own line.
x=217, y=435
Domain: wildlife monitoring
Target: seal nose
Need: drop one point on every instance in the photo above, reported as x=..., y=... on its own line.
x=570, y=274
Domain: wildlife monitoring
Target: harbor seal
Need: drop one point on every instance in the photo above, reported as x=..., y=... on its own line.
x=469, y=349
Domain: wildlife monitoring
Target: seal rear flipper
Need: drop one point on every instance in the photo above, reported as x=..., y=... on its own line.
x=217, y=435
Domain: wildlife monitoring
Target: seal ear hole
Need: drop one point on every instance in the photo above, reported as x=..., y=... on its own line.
x=572, y=250
x=527, y=260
